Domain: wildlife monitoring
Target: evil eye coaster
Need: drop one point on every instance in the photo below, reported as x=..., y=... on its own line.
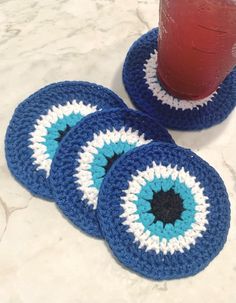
x=86, y=155
x=146, y=92
x=41, y=121
x=163, y=211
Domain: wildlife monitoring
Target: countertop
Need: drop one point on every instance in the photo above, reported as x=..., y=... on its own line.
x=43, y=258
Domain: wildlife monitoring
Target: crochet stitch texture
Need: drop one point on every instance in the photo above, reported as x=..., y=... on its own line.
x=88, y=152
x=164, y=211
x=40, y=123
x=144, y=89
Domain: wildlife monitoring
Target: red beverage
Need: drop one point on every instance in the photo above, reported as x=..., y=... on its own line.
x=197, y=45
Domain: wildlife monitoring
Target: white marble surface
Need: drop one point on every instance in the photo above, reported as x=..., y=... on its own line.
x=43, y=258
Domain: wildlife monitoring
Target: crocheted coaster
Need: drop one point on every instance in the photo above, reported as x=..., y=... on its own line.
x=86, y=155
x=41, y=121
x=144, y=89
x=163, y=211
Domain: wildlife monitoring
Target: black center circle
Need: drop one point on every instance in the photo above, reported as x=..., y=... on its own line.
x=167, y=207
x=110, y=161
x=62, y=133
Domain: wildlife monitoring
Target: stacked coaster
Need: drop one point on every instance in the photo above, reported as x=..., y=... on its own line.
x=117, y=174
x=87, y=154
x=163, y=211
x=42, y=120
x=146, y=92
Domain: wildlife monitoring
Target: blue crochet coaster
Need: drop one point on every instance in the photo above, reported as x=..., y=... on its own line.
x=86, y=155
x=164, y=211
x=39, y=124
x=144, y=89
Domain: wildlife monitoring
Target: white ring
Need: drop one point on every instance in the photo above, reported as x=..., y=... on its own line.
x=40, y=155
x=141, y=234
x=162, y=95
x=83, y=175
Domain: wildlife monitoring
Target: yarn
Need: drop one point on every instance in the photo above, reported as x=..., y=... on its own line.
x=88, y=152
x=116, y=173
x=164, y=211
x=146, y=92
x=42, y=120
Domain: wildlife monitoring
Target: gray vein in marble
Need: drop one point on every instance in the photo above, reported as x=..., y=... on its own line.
x=141, y=18
x=160, y=286
x=10, y=33
x=230, y=169
x=8, y=212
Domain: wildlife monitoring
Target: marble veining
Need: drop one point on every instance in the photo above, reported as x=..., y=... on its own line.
x=43, y=258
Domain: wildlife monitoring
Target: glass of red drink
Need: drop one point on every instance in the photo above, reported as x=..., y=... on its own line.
x=196, y=46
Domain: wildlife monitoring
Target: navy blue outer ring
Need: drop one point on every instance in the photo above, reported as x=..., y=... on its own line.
x=150, y=264
x=67, y=196
x=195, y=119
x=18, y=154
